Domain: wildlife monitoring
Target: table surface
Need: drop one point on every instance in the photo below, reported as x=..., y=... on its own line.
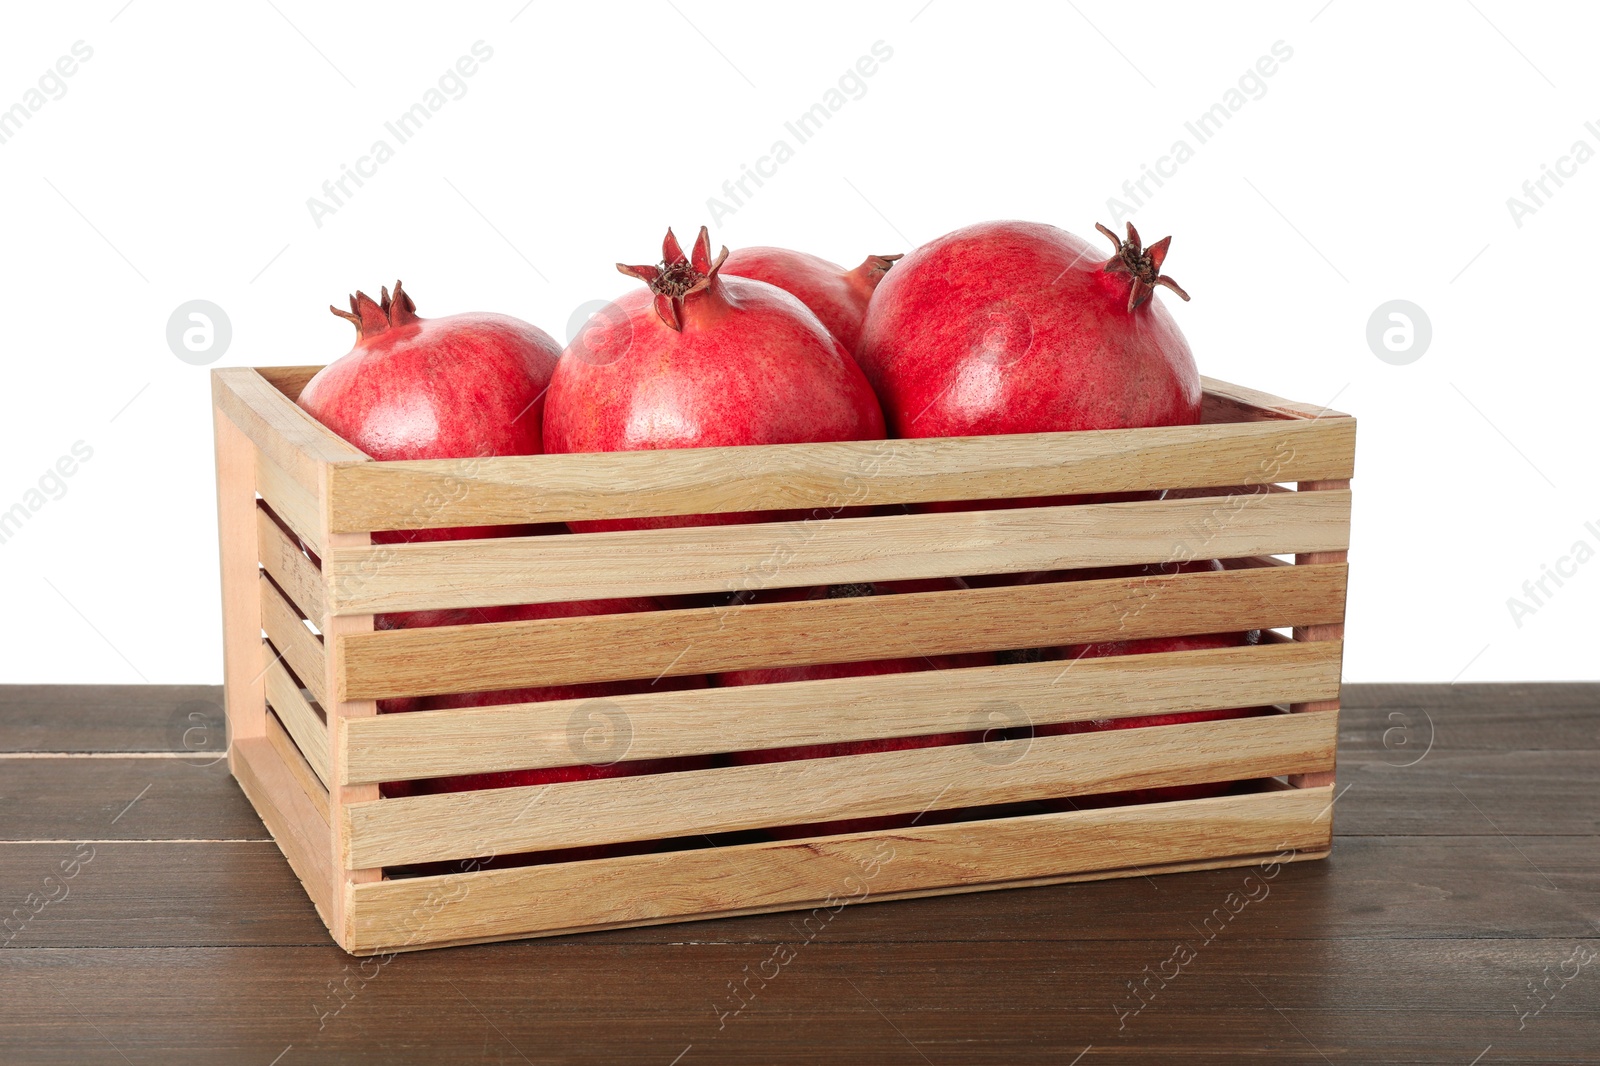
x=1458, y=921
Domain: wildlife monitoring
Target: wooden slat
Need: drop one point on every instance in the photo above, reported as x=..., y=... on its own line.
x=299, y=647
x=554, y=488
x=508, y=570
x=336, y=634
x=292, y=439
x=289, y=815
x=642, y=889
x=241, y=604
x=289, y=380
x=669, y=724
x=310, y=732
x=282, y=558
x=508, y=820
x=1266, y=403
x=1331, y=631
x=294, y=761
x=710, y=640
x=290, y=502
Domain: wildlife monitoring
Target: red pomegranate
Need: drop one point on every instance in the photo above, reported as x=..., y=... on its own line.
x=461, y=387
x=835, y=295
x=856, y=669
x=1150, y=646
x=698, y=360
x=1016, y=327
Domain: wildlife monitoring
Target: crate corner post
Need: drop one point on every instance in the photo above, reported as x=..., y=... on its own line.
x=338, y=626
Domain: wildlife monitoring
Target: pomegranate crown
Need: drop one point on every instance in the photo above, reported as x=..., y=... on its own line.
x=678, y=276
x=1143, y=263
x=371, y=317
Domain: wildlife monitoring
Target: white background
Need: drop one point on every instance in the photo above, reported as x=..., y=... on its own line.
x=1376, y=166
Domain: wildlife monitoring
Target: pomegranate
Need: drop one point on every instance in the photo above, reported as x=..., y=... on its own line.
x=1016, y=327
x=460, y=387
x=697, y=360
x=856, y=669
x=835, y=295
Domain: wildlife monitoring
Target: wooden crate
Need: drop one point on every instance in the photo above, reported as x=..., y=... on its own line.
x=1261, y=478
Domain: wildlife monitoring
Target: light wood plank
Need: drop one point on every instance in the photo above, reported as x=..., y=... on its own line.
x=310, y=732
x=712, y=640
x=289, y=380
x=556, y=488
x=546, y=569
x=508, y=820
x=828, y=871
x=294, y=761
x=1332, y=631
x=245, y=694
x=1266, y=403
x=282, y=558
x=299, y=646
x=336, y=634
x=670, y=724
x=292, y=439
x=288, y=813
x=290, y=502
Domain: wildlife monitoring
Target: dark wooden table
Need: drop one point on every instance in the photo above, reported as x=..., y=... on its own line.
x=1458, y=921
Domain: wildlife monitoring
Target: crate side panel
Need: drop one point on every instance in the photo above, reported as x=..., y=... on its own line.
x=556, y=488
x=289, y=814
x=295, y=761
x=712, y=640
x=732, y=558
x=300, y=648
x=290, y=568
x=511, y=820
x=302, y=721
x=500, y=904
x=290, y=501
x=672, y=724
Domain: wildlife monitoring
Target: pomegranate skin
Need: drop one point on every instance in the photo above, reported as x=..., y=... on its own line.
x=837, y=296
x=459, y=387
x=729, y=362
x=1018, y=327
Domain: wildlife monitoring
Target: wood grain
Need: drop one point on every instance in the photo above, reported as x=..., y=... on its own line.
x=509, y=570
x=397, y=915
x=671, y=724
x=289, y=567
x=657, y=806
x=289, y=380
x=295, y=506
x=338, y=632
x=1266, y=403
x=297, y=443
x=121, y=798
x=708, y=640
x=241, y=602
x=112, y=718
x=289, y=815
x=300, y=719
x=294, y=761
x=558, y=488
x=298, y=646
x=1323, y=631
